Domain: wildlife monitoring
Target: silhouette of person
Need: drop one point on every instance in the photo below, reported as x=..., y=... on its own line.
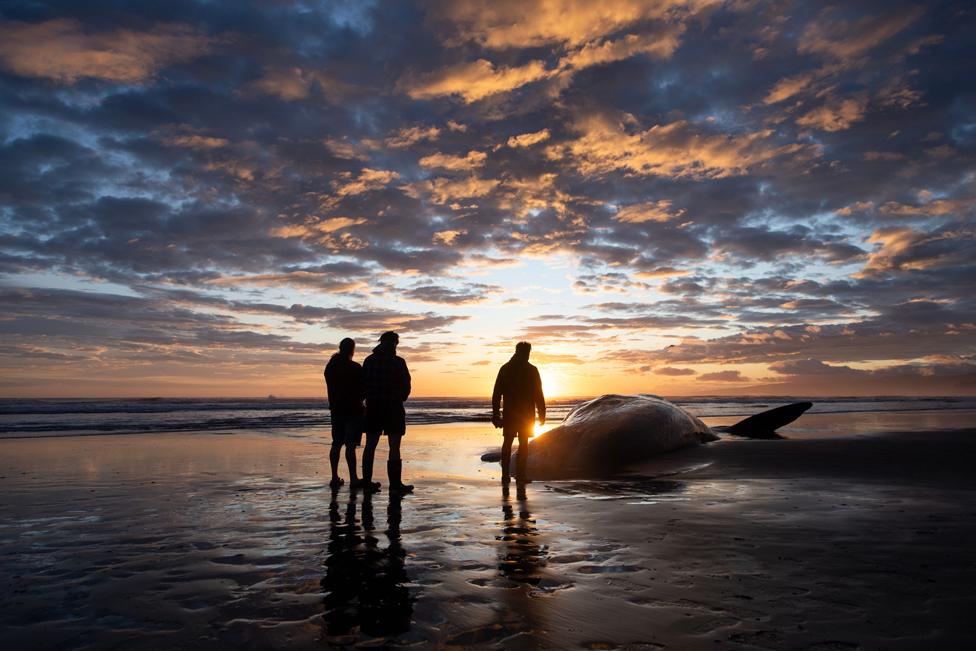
x=518, y=389
x=387, y=387
x=344, y=382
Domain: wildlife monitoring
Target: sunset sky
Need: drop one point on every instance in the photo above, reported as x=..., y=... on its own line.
x=702, y=197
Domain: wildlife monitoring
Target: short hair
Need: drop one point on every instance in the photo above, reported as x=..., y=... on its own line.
x=523, y=347
x=389, y=335
x=347, y=345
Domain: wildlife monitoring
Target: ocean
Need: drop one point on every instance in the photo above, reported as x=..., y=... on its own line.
x=30, y=418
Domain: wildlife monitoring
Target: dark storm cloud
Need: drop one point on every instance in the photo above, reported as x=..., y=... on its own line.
x=772, y=165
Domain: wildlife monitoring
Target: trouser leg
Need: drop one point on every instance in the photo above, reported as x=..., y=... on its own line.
x=351, y=462
x=506, y=457
x=523, y=458
x=394, y=440
x=334, y=453
x=368, y=453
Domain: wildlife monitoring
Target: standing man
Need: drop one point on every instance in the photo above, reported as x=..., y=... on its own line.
x=344, y=382
x=387, y=387
x=518, y=384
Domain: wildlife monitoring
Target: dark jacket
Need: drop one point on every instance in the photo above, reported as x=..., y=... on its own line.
x=344, y=382
x=386, y=377
x=519, y=385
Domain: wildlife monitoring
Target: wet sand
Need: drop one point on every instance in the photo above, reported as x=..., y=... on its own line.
x=234, y=541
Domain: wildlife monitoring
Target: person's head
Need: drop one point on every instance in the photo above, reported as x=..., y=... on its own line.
x=390, y=338
x=522, y=350
x=347, y=347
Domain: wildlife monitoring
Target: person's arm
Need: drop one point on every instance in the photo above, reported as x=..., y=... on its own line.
x=328, y=386
x=540, y=399
x=496, y=401
x=405, y=380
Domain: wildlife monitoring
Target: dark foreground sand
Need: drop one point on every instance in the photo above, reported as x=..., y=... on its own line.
x=234, y=541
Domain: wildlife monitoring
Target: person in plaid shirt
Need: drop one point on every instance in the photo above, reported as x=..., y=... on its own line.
x=387, y=382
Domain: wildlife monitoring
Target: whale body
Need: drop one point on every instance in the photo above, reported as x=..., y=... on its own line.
x=603, y=435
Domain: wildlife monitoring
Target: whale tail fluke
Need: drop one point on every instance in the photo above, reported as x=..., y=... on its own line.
x=764, y=425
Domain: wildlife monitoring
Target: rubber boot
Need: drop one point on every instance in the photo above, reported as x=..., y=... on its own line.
x=393, y=469
x=366, y=481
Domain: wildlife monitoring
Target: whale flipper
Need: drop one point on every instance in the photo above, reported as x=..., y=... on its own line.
x=764, y=425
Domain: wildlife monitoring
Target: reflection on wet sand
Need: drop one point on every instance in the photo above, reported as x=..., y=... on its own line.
x=522, y=558
x=365, y=585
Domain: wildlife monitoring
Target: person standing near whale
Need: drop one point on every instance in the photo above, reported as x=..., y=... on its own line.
x=344, y=384
x=387, y=388
x=518, y=390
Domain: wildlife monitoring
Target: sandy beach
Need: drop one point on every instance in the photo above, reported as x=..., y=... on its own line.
x=165, y=541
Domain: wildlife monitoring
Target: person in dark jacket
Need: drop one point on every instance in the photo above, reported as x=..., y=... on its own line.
x=344, y=382
x=518, y=388
x=387, y=387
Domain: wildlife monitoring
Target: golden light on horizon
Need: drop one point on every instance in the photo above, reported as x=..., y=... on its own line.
x=552, y=384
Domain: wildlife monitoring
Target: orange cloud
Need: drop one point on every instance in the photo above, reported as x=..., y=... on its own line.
x=443, y=190
x=472, y=160
x=286, y=83
x=474, y=80
x=528, y=139
x=412, y=135
x=841, y=39
x=62, y=50
x=368, y=180
x=652, y=211
x=788, y=87
x=836, y=115
x=677, y=149
x=902, y=249
x=658, y=44
x=314, y=227
x=530, y=23
x=195, y=142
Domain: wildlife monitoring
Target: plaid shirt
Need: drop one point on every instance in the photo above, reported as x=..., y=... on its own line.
x=386, y=378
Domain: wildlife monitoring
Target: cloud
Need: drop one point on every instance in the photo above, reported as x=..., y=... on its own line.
x=674, y=371
x=836, y=37
x=409, y=136
x=196, y=141
x=286, y=83
x=63, y=50
x=836, y=115
x=789, y=87
x=676, y=149
x=521, y=24
x=473, y=159
x=656, y=211
x=723, y=376
x=467, y=294
x=906, y=249
x=474, y=80
x=529, y=139
x=658, y=44
x=368, y=180
x=444, y=190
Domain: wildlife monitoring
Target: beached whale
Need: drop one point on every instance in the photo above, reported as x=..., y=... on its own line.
x=603, y=435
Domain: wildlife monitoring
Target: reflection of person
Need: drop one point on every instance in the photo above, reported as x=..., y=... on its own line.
x=518, y=391
x=365, y=586
x=387, y=387
x=522, y=559
x=344, y=382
